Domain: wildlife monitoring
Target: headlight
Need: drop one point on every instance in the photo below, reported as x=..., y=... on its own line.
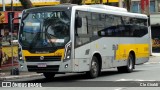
x=67, y=55
x=20, y=58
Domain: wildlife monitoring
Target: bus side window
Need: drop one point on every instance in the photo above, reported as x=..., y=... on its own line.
x=81, y=34
x=140, y=27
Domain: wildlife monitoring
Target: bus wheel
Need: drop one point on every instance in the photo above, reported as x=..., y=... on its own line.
x=129, y=67
x=94, y=69
x=49, y=75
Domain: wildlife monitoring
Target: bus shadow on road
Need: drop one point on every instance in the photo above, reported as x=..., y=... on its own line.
x=115, y=72
x=78, y=77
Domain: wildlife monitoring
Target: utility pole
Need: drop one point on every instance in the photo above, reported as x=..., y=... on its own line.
x=10, y=21
x=11, y=5
x=4, y=8
x=121, y=3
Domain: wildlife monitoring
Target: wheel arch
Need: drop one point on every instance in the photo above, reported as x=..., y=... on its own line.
x=134, y=56
x=99, y=58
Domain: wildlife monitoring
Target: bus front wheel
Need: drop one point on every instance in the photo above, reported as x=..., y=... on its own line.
x=49, y=75
x=94, y=68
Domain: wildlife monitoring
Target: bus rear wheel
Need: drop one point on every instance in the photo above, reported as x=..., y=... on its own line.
x=49, y=75
x=129, y=67
x=94, y=68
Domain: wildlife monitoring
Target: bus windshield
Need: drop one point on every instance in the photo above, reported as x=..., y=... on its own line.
x=44, y=29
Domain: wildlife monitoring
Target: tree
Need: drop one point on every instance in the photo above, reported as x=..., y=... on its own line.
x=127, y=4
x=26, y=4
x=101, y=1
x=71, y=1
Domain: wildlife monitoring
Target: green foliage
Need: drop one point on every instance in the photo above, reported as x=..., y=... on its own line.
x=26, y=3
x=71, y=1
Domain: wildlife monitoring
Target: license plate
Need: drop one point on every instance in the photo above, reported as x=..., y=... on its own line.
x=42, y=65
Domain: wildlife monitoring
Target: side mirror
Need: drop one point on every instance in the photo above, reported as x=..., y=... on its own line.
x=78, y=22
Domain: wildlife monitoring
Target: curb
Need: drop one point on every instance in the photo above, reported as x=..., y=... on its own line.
x=18, y=77
x=155, y=54
x=152, y=63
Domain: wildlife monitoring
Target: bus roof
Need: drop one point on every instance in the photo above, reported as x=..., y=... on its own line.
x=110, y=10
x=107, y=7
x=91, y=8
x=51, y=8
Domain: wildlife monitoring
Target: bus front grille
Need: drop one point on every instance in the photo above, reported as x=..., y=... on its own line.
x=49, y=68
x=46, y=58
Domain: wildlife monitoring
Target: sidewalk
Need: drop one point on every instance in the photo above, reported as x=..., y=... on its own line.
x=5, y=75
x=154, y=59
x=156, y=54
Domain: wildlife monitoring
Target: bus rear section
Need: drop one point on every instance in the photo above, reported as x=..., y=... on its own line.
x=109, y=39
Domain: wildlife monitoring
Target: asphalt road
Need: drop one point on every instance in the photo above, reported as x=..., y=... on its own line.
x=148, y=73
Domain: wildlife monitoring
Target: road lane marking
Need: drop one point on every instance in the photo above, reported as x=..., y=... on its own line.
x=119, y=88
x=152, y=63
x=133, y=80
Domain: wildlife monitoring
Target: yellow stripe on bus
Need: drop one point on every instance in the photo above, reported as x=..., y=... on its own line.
x=59, y=52
x=141, y=51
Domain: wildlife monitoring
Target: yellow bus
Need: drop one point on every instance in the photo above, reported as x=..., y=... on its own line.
x=83, y=38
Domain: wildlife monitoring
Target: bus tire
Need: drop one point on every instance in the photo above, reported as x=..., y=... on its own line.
x=49, y=75
x=129, y=67
x=94, y=68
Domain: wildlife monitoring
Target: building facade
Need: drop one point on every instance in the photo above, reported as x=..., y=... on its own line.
x=154, y=18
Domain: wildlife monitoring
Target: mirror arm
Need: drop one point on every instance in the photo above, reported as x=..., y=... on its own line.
x=87, y=24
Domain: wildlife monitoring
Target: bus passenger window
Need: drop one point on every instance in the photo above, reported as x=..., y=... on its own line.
x=81, y=33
